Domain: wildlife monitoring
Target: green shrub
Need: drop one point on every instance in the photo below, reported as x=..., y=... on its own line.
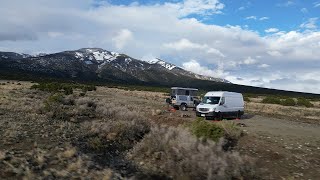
x=246, y=99
x=304, y=102
x=67, y=90
x=288, y=102
x=205, y=129
x=271, y=100
x=251, y=95
x=55, y=98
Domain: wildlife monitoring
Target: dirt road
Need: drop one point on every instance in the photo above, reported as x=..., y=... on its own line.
x=283, y=149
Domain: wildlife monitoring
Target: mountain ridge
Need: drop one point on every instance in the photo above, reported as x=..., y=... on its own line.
x=95, y=61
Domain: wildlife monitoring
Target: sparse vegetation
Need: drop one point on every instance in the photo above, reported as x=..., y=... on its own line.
x=286, y=101
x=66, y=88
x=271, y=100
x=58, y=163
x=304, y=102
x=124, y=131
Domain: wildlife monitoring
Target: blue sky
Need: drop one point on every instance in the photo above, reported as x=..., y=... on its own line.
x=281, y=14
x=272, y=43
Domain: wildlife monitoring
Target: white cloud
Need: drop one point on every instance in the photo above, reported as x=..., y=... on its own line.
x=286, y=4
x=241, y=8
x=317, y=4
x=122, y=38
x=248, y=61
x=201, y=7
x=215, y=51
x=195, y=67
x=310, y=24
x=271, y=30
x=264, y=66
x=304, y=10
x=264, y=18
x=251, y=17
x=55, y=34
x=274, y=53
x=185, y=44
x=256, y=18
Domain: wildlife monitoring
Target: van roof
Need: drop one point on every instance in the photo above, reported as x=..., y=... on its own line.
x=192, y=89
x=221, y=93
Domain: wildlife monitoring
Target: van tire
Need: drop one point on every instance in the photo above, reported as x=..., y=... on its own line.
x=238, y=115
x=218, y=116
x=183, y=107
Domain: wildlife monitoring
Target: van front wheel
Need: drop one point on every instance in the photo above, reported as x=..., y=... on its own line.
x=218, y=116
x=183, y=107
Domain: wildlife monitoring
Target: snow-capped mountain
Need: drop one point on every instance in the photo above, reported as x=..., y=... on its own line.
x=97, y=64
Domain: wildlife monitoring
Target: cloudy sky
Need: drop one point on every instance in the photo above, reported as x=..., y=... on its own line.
x=274, y=44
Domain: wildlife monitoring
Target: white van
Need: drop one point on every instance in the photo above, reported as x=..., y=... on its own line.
x=221, y=104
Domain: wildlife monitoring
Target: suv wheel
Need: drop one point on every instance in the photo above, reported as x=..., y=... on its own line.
x=183, y=107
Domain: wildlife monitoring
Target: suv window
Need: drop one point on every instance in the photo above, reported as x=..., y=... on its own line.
x=182, y=98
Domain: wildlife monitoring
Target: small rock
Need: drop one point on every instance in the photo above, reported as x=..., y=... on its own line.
x=156, y=112
x=185, y=115
x=242, y=125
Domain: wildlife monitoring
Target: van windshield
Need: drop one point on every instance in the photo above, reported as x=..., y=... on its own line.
x=210, y=100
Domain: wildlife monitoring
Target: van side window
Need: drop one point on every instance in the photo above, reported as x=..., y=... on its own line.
x=187, y=92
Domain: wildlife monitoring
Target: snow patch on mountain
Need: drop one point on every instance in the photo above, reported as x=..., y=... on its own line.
x=79, y=55
x=162, y=63
x=100, y=56
x=128, y=60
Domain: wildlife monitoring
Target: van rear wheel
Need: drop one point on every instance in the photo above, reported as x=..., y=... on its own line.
x=238, y=115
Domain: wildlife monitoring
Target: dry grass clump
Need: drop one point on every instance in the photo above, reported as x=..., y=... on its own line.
x=61, y=107
x=118, y=126
x=180, y=155
x=59, y=163
x=116, y=111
